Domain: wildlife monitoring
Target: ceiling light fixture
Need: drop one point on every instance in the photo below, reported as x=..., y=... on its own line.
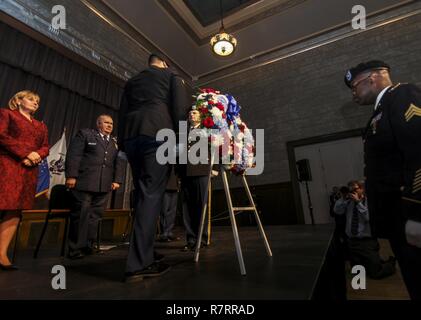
x=223, y=44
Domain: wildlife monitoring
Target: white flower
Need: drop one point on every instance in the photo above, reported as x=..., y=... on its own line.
x=217, y=140
x=224, y=100
x=216, y=113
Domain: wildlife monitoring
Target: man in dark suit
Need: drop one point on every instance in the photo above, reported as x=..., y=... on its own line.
x=154, y=99
x=392, y=158
x=93, y=169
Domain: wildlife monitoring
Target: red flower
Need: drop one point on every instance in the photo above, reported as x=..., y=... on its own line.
x=224, y=116
x=220, y=106
x=211, y=103
x=208, y=122
x=204, y=110
x=208, y=90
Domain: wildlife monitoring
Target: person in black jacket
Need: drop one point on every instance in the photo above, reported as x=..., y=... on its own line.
x=392, y=158
x=154, y=99
x=93, y=169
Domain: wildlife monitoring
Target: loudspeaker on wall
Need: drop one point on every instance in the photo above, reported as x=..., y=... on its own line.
x=304, y=172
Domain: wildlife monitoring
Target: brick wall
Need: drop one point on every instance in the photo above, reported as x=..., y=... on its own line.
x=304, y=96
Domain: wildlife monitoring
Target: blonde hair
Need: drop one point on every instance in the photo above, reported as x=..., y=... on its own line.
x=14, y=101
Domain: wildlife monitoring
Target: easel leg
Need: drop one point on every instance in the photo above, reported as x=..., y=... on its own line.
x=202, y=221
x=233, y=224
x=259, y=223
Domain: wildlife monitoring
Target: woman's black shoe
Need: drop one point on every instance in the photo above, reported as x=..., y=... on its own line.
x=10, y=267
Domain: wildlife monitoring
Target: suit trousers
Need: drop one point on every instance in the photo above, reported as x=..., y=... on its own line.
x=366, y=252
x=150, y=180
x=194, y=197
x=168, y=213
x=87, y=210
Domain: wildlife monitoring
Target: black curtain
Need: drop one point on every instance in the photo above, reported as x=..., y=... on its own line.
x=72, y=96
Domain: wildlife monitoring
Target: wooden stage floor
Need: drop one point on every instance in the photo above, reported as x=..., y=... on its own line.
x=298, y=254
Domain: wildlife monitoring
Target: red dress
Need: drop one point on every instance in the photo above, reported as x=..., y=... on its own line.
x=18, y=138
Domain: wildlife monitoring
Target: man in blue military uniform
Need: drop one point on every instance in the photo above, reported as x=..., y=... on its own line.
x=93, y=169
x=392, y=158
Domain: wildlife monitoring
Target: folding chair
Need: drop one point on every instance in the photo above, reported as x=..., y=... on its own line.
x=60, y=204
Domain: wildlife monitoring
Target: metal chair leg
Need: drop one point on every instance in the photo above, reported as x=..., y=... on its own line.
x=44, y=229
x=98, y=236
x=65, y=235
x=127, y=229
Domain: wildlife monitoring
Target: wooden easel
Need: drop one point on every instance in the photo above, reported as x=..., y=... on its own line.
x=232, y=211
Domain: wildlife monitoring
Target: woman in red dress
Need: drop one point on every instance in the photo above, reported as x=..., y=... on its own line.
x=23, y=145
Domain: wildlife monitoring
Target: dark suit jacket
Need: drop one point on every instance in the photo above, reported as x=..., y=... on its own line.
x=392, y=144
x=194, y=170
x=152, y=100
x=94, y=163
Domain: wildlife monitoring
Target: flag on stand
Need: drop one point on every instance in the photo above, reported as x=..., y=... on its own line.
x=56, y=160
x=43, y=178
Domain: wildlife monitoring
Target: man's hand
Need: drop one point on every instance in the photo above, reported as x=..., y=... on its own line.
x=34, y=157
x=70, y=183
x=115, y=186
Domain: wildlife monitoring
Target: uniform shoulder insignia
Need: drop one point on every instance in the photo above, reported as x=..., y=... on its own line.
x=413, y=111
x=394, y=87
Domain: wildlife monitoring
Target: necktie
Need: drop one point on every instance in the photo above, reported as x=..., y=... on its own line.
x=105, y=139
x=355, y=220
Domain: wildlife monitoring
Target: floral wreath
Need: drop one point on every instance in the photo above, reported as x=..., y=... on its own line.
x=220, y=121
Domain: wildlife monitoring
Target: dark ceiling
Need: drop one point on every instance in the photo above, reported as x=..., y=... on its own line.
x=209, y=11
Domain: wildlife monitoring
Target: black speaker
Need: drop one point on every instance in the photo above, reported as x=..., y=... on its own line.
x=304, y=172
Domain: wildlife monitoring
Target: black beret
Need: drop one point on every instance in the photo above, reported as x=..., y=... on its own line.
x=352, y=73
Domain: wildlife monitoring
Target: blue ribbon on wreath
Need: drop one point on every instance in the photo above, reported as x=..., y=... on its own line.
x=233, y=109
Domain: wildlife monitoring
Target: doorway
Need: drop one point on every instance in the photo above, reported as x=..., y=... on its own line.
x=333, y=161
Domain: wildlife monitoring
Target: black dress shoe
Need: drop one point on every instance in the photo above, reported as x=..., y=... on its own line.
x=189, y=247
x=154, y=270
x=163, y=239
x=87, y=251
x=10, y=267
x=131, y=277
x=158, y=257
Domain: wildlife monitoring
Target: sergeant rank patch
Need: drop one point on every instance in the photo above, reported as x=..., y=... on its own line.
x=413, y=111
